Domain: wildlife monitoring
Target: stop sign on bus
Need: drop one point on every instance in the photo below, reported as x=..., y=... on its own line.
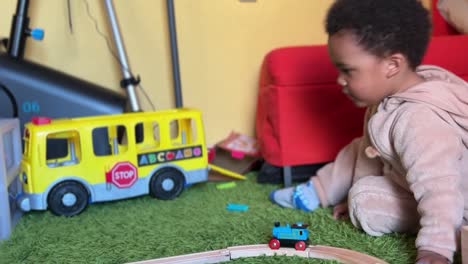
x=122, y=175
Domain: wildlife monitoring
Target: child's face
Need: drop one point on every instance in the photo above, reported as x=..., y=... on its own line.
x=362, y=74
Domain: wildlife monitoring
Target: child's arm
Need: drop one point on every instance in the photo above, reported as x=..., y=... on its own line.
x=430, y=150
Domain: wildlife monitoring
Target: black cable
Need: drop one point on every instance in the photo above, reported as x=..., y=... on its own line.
x=70, y=20
x=112, y=51
x=147, y=97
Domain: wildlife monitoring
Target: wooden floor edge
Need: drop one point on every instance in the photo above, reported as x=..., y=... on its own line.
x=342, y=255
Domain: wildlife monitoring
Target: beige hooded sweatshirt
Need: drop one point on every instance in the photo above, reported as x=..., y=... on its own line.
x=418, y=140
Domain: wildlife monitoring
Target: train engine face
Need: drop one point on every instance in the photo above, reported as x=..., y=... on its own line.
x=296, y=236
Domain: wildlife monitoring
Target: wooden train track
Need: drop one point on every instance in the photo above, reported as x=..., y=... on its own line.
x=224, y=255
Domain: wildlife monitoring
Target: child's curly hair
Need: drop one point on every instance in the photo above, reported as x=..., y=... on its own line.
x=383, y=27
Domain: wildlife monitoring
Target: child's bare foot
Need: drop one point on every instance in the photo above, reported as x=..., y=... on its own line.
x=340, y=211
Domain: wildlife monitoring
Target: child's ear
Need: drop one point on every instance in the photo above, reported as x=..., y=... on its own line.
x=394, y=64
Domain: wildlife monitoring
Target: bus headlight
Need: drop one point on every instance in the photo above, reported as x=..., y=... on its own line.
x=24, y=203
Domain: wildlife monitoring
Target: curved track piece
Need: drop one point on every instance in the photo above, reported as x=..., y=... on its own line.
x=345, y=256
x=342, y=255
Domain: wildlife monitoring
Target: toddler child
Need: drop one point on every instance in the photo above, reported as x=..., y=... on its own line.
x=409, y=170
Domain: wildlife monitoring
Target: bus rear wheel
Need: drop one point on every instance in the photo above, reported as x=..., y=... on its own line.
x=68, y=198
x=167, y=184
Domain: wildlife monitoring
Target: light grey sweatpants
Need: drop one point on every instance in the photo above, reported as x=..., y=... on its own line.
x=379, y=206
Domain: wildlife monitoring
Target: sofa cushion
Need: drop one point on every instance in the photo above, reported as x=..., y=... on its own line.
x=449, y=52
x=301, y=65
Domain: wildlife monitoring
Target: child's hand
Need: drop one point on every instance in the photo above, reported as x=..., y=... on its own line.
x=429, y=257
x=340, y=211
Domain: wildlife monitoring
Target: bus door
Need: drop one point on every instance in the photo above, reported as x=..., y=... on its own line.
x=113, y=149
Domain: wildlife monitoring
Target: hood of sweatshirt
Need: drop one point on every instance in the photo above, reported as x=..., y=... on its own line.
x=442, y=89
x=443, y=92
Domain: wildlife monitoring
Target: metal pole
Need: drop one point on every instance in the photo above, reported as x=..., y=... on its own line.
x=17, y=41
x=174, y=53
x=134, y=104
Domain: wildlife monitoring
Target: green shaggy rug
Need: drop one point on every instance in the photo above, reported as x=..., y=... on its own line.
x=144, y=228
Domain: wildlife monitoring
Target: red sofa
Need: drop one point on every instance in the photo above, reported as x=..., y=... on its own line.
x=302, y=115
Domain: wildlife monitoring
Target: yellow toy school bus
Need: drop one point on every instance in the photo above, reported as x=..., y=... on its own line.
x=69, y=163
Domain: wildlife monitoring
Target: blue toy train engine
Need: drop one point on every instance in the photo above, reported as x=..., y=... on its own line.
x=296, y=236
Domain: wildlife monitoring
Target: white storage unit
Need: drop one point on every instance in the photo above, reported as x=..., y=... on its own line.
x=10, y=185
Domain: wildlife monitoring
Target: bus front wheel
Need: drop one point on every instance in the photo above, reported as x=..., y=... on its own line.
x=167, y=184
x=68, y=198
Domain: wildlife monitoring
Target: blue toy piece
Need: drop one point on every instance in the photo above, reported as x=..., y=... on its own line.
x=237, y=207
x=296, y=235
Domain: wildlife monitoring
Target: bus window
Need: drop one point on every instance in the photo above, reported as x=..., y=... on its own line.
x=69, y=155
x=149, y=135
x=156, y=133
x=110, y=140
x=139, y=133
x=183, y=131
x=101, y=144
